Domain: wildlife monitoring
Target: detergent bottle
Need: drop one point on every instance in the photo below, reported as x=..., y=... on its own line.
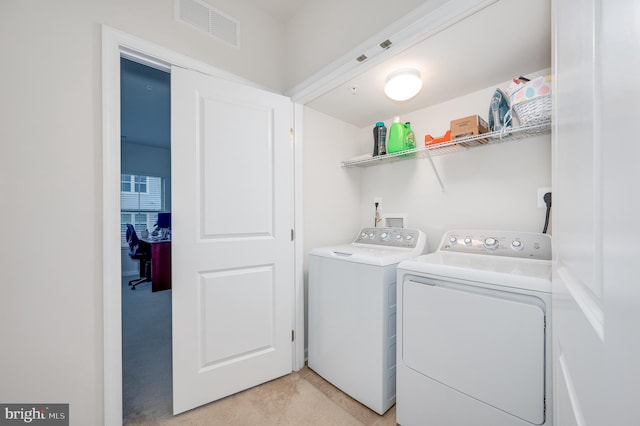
x=396, y=139
x=379, y=139
x=409, y=137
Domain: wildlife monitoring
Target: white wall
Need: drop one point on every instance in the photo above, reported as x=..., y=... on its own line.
x=51, y=163
x=331, y=194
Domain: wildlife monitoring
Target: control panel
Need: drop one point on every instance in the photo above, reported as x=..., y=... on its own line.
x=389, y=237
x=528, y=245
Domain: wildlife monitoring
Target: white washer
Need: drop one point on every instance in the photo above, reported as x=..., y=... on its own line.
x=474, y=332
x=352, y=312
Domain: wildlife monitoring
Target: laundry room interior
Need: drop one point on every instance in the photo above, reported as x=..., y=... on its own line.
x=492, y=186
x=490, y=205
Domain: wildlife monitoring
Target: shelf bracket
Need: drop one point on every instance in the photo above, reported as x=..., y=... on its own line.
x=435, y=170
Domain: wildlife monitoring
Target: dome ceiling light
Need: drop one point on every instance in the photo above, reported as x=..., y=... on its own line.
x=403, y=84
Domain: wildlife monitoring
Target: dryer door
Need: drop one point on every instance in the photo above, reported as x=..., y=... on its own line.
x=487, y=344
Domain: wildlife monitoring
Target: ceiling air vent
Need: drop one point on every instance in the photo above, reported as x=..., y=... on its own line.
x=208, y=19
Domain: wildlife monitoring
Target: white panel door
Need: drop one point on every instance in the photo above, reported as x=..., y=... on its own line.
x=233, y=258
x=578, y=287
x=596, y=296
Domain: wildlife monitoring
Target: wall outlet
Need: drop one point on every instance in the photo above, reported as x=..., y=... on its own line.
x=541, y=192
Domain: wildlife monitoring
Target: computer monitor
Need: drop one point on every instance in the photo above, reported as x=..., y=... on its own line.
x=164, y=220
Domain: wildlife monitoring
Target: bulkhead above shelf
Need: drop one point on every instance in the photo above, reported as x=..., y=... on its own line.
x=508, y=134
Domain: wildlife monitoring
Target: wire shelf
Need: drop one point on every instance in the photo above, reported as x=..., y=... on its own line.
x=509, y=134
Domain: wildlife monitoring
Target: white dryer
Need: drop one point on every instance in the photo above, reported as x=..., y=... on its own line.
x=474, y=332
x=352, y=312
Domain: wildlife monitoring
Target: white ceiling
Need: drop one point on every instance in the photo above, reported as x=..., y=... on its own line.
x=282, y=10
x=505, y=40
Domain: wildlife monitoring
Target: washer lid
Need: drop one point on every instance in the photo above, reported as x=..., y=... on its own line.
x=370, y=255
x=529, y=274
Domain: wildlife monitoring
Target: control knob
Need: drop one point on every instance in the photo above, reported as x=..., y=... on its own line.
x=468, y=241
x=453, y=240
x=491, y=243
x=517, y=245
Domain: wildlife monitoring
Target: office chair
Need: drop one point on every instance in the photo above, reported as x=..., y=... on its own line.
x=142, y=253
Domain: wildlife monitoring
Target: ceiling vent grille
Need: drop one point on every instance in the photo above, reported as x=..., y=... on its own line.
x=208, y=19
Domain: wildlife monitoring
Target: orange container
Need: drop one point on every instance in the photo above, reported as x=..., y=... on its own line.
x=429, y=140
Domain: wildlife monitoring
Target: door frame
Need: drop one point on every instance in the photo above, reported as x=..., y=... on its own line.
x=117, y=44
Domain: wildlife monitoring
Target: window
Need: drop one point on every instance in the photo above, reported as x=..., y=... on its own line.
x=125, y=183
x=134, y=184
x=141, y=198
x=140, y=184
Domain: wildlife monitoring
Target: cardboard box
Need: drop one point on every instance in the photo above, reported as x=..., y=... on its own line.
x=469, y=126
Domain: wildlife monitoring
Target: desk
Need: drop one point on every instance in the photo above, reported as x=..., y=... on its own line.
x=160, y=263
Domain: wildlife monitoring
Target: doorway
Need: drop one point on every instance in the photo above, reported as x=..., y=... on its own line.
x=116, y=45
x=145, y=201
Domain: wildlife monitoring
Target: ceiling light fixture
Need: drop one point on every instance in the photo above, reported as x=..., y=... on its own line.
x=403, y=84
